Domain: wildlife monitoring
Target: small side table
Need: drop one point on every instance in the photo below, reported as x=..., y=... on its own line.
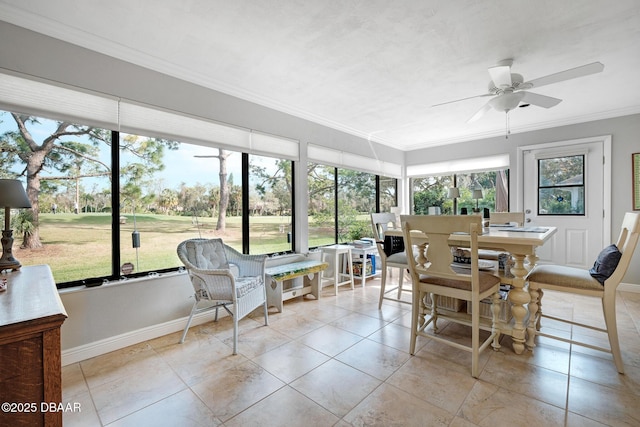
x=363, y=253
x=339, y=278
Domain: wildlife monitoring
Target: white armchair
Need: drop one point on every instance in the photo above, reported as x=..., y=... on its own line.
x=210, y=263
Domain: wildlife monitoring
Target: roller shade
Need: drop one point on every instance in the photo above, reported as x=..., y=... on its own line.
x=60, y=102
x=35, y=97
x=475, y=164
x=342, y=159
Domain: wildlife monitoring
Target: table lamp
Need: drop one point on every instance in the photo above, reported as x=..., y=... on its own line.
x=477, y=195
x=12, y=195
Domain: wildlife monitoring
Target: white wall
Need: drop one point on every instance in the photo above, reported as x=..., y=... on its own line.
x=624, y=133
x=118, y=314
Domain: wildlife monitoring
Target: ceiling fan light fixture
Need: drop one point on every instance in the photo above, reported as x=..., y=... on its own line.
x=507, y=101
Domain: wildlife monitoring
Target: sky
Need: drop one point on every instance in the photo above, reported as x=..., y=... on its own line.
x=180, y=165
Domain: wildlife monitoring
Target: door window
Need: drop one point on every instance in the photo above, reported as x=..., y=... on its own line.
x=561, y=185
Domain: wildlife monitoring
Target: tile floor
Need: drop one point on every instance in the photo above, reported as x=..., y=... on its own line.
x=341, y=361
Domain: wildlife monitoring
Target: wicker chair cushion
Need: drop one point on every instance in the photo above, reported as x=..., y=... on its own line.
x=246, y=284
x=208, y=255
x=568, y=277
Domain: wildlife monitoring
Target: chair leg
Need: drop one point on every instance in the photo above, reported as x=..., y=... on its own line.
x=186, y=328
x=266, y=315
x=609, y=308
x=235, y=334
x=400, y=277
x=383, y=284
x=415, y=308
x=475, y=336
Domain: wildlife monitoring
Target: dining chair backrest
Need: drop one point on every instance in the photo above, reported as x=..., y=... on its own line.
x=438, y=230
x=381, y=222
x=506, y=218
x=627, y=242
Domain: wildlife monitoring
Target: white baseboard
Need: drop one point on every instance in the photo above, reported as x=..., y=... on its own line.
x=97, y=348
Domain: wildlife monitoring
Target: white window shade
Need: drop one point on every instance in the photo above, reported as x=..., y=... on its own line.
x=270, y=145
x=476, y=164
x=143, y=120
x=51, y=100
x=342, y=159
x=34, y=97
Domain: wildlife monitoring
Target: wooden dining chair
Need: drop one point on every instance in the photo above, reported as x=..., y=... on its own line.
x=437, y=278
x=391, y=251
x=601, y=281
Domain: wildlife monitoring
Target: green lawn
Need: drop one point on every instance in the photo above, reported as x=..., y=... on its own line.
x=79, y=246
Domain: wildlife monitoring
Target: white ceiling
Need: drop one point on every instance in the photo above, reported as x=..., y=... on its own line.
x=373, y=68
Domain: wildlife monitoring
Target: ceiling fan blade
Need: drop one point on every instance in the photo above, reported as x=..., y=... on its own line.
x=539, y=100
x=486, y=107
x=501, y=76
x=584, y=70
x=462, y=99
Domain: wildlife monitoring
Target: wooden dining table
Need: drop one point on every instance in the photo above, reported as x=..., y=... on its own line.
x=521, y=243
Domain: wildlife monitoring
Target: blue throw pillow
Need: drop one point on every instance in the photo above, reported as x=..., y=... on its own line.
x=606, y=263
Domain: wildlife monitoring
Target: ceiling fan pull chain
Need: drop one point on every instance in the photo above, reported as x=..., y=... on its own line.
x=507, y=130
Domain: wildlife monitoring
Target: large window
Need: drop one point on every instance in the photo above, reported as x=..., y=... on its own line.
x=322, y=204
x=388, y=192
x=270, y=205
x=340, y=201
x=356, y=200
x=478, y=190
x=166, y=191
x=162, y=202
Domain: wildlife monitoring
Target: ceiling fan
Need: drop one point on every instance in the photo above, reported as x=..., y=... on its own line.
x=509, y=89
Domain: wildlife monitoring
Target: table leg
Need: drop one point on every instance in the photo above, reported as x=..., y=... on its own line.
x=519, y=298
x=534, y=306
x=421, y=259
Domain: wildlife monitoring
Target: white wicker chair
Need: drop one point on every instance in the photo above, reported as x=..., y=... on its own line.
x=209, y=264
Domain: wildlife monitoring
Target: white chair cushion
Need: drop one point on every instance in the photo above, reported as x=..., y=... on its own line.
x=563, y=276
x=208, y=255
x=399, y=258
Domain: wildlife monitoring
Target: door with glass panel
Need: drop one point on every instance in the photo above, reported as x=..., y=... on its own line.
x=564, y=186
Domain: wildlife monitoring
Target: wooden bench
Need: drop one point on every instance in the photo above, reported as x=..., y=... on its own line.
x=290, y=268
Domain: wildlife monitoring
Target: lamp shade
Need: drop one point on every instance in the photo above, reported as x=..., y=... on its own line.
x=454, y=192
x=13, y=195
x=477, y=194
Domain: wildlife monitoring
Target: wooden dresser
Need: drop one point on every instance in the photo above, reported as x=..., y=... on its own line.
x=31, y=314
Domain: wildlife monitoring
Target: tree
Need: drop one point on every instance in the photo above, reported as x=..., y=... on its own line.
x=223, y=200
x=73, y=150
x=277, y=182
